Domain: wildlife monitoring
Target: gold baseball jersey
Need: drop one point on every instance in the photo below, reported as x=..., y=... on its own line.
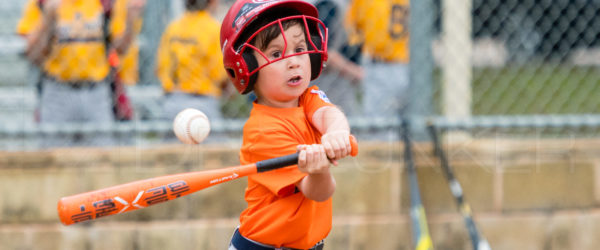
x=189, y=58
x=128, y=69
x=382, y=26
x=77, y=49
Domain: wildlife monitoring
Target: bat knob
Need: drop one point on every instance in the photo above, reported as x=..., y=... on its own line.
x=354, y=144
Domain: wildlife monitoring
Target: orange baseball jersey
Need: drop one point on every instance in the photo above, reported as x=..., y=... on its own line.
x=189, y=56
x=277, y=215
x=128, y=69
x=383, y=27
x=78, y=49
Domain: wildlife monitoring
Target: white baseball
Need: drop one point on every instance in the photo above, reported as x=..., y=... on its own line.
x=191, y=126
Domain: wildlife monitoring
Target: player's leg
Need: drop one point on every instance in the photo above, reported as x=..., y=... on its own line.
x=56, y=106
x=385, y=94
x=209, y=105
x=96, y=108
x=385, y=88
x=172, y=105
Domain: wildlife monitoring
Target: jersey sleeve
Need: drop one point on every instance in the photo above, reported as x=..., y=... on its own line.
x=266, y=144
x=313, y=99
x=32, y=15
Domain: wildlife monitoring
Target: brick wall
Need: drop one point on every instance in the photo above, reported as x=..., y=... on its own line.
x=526, y=194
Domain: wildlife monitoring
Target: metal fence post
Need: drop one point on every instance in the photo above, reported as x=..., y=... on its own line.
x=456, y=63
x=421, y=65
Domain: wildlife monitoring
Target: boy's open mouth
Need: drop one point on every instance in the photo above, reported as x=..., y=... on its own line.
x=296, y=80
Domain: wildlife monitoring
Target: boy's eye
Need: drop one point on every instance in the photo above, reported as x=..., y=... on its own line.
x=300, y=49
x=276, y=54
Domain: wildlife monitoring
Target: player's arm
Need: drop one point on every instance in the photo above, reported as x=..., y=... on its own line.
x=134, y=12
x=39, y=41
x=347, y=68
x=333, y=125
x=319, y=184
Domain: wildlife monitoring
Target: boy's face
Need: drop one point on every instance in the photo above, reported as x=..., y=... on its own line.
x=280, y=83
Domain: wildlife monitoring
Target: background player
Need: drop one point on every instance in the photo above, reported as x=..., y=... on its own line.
x=386, y=54
x=189, y=64
x=67, y=40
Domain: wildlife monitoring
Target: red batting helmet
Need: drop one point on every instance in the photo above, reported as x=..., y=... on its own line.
x=240, y=26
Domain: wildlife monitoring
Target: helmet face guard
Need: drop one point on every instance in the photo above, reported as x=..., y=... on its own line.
x=239, y=54
x=316, y=43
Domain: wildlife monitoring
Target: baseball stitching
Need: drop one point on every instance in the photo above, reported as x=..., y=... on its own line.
x=189, y=130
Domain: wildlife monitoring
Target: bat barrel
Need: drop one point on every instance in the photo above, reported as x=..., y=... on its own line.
x=122, y=198
x=139, y=194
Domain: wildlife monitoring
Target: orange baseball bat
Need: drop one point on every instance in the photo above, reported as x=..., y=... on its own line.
x=139, y=194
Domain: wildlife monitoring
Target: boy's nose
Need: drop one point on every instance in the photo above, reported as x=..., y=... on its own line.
x=293, y=62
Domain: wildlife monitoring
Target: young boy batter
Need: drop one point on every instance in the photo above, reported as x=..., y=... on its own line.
x=275, y=48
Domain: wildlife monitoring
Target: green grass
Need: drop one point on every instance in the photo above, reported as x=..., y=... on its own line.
x=531, y=89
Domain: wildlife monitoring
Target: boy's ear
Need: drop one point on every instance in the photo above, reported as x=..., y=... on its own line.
x=316, y=59
x=251, y=64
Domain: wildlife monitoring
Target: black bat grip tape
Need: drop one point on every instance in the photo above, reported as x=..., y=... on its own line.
x=276, y=163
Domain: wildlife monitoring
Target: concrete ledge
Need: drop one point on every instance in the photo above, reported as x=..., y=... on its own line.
x=572, y=229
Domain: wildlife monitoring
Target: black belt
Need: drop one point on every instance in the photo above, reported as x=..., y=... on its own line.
x=376, y=60
x=186, y=93
x=74, y=84
x=241, y=243
x=81, y=85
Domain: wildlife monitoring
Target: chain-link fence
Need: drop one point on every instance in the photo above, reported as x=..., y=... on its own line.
x=518, y=57
x=510, y=60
